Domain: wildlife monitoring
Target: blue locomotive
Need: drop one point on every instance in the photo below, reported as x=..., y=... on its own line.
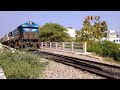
x=25, y=35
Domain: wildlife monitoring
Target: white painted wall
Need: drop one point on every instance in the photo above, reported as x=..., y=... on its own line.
x=71, y=32
x=112, y=36
x=116, y=40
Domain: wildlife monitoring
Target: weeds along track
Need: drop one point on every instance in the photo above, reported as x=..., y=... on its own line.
x=101, y=69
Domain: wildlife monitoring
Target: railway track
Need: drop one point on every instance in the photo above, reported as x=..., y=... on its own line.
x=101, y=69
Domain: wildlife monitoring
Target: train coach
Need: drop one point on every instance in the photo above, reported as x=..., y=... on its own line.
x=25, y=35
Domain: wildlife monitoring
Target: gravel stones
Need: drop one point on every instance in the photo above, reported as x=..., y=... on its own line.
x=56, y=70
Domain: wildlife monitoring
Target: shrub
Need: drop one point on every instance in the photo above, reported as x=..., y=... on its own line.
x=109, y=49
x=116, y=55
x=21, y=65
x=95, y=47
x=105, y=49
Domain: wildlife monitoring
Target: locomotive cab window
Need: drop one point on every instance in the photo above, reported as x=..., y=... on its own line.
x=31, y=27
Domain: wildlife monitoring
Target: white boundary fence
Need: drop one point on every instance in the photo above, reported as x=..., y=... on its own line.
x=80, y=47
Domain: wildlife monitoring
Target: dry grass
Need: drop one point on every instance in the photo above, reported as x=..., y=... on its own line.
x=109, y=59
x=21, y=65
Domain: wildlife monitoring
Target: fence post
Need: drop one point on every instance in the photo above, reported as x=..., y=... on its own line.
x=50, y=45
x=0, y=46
x=72, y=46
x=45, y=44
x=2, y=75
x=84, y=47
x=42, y=45
x=62, y=45
x=56, y=45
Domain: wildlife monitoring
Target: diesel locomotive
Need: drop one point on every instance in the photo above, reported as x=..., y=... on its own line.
x=25, y=35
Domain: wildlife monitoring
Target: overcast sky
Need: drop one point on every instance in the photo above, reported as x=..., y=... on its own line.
x=9, y=20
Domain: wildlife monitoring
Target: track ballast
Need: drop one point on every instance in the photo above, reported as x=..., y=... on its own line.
x=102, y=69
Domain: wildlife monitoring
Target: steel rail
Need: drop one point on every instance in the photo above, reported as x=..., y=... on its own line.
x=102, y=69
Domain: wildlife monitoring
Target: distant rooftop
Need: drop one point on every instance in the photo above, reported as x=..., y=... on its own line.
x=110, y=31
x=69, y=27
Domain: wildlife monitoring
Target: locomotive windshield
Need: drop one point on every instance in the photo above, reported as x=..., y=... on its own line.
x=30, y=29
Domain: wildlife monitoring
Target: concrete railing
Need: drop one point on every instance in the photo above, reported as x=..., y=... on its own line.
x=80, y=47
x=2, y=75
x=0, y=46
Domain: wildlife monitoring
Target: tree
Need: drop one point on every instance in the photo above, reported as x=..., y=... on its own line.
x=77, y=33
x=52, y=32
x=92, y=29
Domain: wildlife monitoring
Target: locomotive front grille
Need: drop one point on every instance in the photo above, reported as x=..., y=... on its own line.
x=30, y=35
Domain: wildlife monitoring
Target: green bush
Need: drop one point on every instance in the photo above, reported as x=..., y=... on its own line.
x=110, y=49
x=95, y=47
x=116, y=55
x=21, y=65
x=105, y=49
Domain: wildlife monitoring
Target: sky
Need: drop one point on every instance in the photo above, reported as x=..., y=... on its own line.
x=10, y=20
